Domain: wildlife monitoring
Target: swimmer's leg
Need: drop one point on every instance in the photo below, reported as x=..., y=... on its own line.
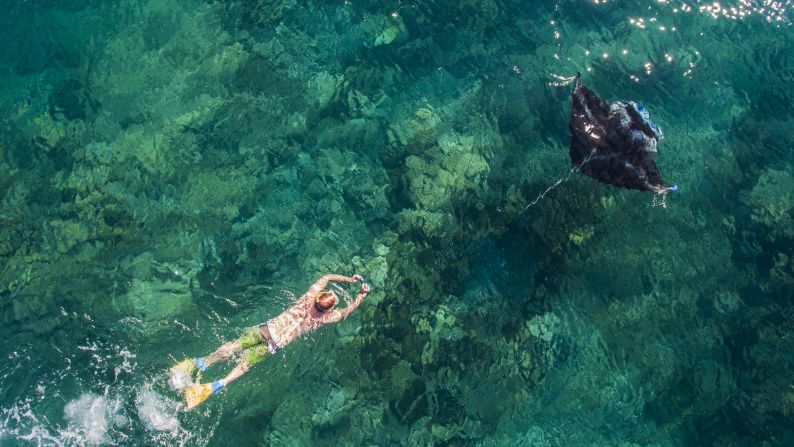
x=196, y=394
x=225, y=351
x=238, y=371
x=181, y=374
x=251, y=338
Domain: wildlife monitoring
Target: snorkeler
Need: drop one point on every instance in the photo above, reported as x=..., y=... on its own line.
x=311, y=311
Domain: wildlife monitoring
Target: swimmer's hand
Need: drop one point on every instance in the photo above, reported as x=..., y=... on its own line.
x=357, y=278
x=341, y=314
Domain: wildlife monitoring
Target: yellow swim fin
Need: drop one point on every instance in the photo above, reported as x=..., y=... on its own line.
x=196, y=394
x=180, y=376
x=183, y=368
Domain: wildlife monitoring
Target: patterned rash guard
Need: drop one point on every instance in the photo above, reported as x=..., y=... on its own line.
x=300, y=318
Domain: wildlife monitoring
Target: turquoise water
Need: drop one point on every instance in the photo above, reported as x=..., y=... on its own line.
x=173, y=172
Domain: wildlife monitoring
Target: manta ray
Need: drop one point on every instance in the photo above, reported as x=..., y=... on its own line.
x=615, y=143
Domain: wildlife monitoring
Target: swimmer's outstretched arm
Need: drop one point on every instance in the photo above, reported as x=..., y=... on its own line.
x=340, y=314
x=322, y=283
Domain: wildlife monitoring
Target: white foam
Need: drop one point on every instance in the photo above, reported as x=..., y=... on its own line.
x=156, y=412
x=20, y=414
x=87, y=417
x=179, y=381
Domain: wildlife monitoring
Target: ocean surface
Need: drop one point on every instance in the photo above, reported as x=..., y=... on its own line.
x=172, y=172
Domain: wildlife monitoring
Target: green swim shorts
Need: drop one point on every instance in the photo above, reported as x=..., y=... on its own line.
x=254, y=348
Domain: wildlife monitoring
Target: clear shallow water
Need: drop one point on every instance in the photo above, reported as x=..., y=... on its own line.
x=173, y=172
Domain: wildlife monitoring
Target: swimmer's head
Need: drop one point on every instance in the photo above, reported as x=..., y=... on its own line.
x=325, y=300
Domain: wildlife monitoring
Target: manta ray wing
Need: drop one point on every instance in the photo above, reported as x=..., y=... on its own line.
x=614, y=143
